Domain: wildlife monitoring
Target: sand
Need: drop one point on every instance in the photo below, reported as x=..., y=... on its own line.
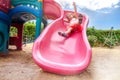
x=19, y=65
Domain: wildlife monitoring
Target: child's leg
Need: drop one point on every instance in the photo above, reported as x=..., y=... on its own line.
x=68, y=31
x=63, y=34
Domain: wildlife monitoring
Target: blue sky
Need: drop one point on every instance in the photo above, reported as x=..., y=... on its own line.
x=103, y=14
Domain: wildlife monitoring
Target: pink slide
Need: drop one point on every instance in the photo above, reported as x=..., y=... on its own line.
x=56, y=54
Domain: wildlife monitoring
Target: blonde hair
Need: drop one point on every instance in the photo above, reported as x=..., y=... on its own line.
x=69, y=14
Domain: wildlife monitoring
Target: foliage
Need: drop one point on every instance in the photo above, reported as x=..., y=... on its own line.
x=96, y=37
x=92, y=39
x=29, y=31
x=109, y=38
x=13, y=31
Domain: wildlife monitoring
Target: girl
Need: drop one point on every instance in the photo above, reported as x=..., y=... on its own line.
x=74, y=23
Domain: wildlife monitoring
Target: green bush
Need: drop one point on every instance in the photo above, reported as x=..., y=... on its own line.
x=92, y=39
x=29, y=31
x=104, y=37
x=13, y=31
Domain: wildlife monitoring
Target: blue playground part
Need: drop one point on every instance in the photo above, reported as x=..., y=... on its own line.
x=37, y=13
x=4, y=32
x=4, y=17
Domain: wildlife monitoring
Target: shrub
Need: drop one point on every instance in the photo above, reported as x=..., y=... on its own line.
x=29, y=32
x=92, y=39
x=104, y=37
x=13, y=31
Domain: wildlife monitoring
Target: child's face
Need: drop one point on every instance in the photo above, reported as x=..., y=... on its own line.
x=69, y=16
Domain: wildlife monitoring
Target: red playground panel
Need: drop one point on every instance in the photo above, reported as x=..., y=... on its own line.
x=17, y=40
x=5, y=5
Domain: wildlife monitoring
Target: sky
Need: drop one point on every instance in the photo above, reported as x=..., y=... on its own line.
x=103, y=14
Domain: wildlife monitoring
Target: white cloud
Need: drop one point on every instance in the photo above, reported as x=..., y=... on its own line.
x=91, y=4
x=116, y=6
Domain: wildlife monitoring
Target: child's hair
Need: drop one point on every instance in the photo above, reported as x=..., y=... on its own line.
x=69, y=14
x=80, y=17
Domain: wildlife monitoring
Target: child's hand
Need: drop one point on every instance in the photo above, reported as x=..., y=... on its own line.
x=66, y=20
x=75, y=10
x=74, y=4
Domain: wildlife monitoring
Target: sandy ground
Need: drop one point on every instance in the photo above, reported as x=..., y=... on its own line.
x=19, y=65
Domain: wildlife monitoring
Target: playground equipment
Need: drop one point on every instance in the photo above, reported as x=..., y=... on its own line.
x=18, y=21
x=56, y=54
x=5, y=5
x=4, y=25
x=51, y=52
x=4, y=35
x=26, y=9
x=9, y=18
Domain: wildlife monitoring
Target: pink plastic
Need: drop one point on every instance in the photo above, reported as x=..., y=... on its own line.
x=56, y=54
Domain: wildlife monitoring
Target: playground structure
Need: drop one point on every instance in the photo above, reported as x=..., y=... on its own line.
x=4, y=24
x=56, y=54
x=15, y=13
x=50, y=51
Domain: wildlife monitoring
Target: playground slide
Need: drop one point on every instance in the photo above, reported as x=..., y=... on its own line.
x=56, y=54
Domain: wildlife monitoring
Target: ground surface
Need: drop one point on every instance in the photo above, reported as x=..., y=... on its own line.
x=19, y=65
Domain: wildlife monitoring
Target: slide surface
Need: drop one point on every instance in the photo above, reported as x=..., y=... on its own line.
x=56, y=54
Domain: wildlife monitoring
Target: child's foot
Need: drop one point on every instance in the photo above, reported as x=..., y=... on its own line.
x=63, y=34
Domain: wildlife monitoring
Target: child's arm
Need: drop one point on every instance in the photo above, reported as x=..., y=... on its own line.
x=66, y=20
x=75, y=10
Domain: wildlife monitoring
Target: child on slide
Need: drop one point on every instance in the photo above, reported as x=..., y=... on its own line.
x=74, y=23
